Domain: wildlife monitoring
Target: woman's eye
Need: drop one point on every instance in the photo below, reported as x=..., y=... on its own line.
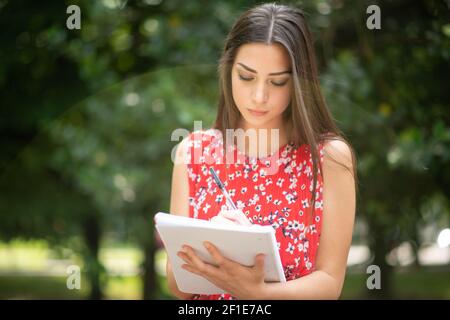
x=244, y=78
x=278, y=84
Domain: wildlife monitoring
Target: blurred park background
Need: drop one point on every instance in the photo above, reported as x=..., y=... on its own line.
x=87, y=117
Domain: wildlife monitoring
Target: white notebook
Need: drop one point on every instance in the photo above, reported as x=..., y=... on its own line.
x=235, y=242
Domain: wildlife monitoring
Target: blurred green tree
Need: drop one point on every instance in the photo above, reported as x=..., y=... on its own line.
x=387, y=89
x=103, y=166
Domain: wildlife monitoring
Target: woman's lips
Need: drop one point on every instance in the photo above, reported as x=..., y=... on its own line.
x=257, y=113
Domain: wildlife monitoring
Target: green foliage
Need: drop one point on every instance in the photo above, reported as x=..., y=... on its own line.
x=87, y=115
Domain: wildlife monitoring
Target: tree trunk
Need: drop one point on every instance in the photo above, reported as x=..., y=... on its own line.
x=92, y=235
x=380, y=248
x=150, y=285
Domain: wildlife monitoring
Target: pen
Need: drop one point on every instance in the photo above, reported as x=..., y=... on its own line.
x=222, y=187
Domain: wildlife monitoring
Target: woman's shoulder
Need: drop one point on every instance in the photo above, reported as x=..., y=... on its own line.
x=198, y=138
x=329, y=146
x=337, y=149
x=200, y=143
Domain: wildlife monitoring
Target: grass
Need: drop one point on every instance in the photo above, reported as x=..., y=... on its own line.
x=31, y=287
x=43, y=287
x=423, y=283
x=420, y=284
x=22, y=277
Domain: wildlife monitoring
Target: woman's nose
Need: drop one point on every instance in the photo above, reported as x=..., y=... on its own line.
x=260, y=94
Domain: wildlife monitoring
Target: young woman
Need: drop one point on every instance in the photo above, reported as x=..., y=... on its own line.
x=269, y=83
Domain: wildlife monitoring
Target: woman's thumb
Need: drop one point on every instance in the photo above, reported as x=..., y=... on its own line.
x=259, y=261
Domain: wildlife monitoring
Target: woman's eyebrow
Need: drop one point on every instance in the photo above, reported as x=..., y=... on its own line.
x=270, y=74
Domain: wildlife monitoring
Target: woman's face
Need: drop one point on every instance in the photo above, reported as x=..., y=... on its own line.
x=261, y=84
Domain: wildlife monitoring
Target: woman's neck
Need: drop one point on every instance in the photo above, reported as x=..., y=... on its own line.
x=262, y=141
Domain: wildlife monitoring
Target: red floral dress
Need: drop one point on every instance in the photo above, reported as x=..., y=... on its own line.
x=278, y=198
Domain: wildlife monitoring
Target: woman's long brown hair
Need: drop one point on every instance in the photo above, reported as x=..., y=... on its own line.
x=307, y=118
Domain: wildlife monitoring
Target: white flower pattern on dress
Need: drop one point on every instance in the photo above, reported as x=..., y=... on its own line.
x=280, y=199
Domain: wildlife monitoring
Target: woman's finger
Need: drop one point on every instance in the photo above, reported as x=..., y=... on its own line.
x=259, y=263
x=222, y=220
x=220, y=260
x=236, y=215
x=193, y=259
x=203, y=268
x=182, y=255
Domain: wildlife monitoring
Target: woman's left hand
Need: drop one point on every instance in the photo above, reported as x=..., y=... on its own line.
x=240, y=281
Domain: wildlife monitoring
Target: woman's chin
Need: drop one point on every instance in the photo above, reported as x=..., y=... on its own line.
x=257, y=122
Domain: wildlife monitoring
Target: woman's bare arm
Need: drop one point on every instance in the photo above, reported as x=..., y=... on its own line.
x=339, y=198
x=179, y=205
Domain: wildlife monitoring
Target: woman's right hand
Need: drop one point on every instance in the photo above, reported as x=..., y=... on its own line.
x=232, y=217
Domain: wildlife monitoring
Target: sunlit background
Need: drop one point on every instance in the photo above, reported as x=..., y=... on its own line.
x=87, y=117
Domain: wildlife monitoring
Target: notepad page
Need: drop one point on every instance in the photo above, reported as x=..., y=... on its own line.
x=238, y=243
